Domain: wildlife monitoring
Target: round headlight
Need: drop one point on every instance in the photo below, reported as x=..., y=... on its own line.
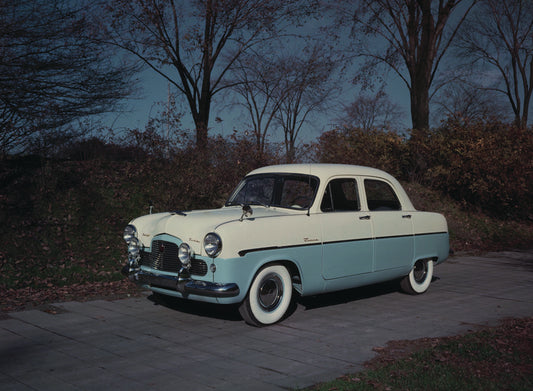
x=130, y=232
x=185, y=254
x=212, y=244
x=133, y=247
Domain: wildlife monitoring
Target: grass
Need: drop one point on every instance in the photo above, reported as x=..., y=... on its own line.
x=499, y=358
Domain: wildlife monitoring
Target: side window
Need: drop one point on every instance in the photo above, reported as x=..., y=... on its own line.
x=340, y=195
x=298, y=192
x=380, y=196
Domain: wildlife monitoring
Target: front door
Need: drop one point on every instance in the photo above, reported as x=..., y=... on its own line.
x=346, y=231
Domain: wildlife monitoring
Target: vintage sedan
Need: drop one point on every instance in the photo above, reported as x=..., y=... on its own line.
x=289, y=229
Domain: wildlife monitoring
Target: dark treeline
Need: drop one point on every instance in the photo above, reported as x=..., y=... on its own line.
x=486, y=165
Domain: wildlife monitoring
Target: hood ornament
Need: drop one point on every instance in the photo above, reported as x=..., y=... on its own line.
x=246, y=212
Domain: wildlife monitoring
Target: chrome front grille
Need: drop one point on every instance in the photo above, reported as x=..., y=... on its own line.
x=164, y=257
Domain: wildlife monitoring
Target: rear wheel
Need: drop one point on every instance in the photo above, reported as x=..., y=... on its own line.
x=419, y=278
x=269, y=296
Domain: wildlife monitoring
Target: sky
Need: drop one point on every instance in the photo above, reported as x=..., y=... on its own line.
x=155, y=89
x=154, y=93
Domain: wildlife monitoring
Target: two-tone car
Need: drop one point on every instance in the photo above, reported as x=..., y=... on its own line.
x=287, y=230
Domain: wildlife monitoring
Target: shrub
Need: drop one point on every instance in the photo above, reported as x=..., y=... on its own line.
x=374, y=148
x=489, y=165
x=181, y=177
x=63, y=219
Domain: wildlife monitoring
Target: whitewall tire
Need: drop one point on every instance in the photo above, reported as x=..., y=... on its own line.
x=419, y=278
x=269, y=296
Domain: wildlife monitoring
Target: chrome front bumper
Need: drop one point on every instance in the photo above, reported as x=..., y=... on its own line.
x=184, y=285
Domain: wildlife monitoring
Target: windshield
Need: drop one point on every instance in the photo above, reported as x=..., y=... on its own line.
x=282, y=190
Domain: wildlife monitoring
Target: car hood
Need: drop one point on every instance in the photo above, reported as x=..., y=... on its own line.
x=192, y=226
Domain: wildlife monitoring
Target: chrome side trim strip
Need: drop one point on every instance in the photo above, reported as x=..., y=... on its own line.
x=242, y=253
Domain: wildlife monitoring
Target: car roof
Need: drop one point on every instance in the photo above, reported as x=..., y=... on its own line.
x=322, y=170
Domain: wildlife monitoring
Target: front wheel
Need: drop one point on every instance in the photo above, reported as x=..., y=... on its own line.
x=269, y=296
x=419, y=278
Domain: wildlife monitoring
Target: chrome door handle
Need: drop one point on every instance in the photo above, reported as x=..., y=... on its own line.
x=367, y=217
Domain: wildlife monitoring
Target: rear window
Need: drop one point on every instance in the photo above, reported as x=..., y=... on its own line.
x=380, y=196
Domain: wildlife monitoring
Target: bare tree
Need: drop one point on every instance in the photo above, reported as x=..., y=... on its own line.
x=51, y=72
x=410, y=37
x=373, y=111
x=258, y=82
x=305, y=90
x=194, y=43
x=500, y=38
x=465, y=103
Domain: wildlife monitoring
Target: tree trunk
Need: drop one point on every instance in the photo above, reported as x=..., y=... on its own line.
x=201, y=137
x=201, y=122
x=420, y=116
x=420, y=105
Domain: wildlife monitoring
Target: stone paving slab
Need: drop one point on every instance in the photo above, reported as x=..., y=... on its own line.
x=139, y=344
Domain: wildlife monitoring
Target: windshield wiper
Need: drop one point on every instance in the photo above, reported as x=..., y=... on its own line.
x=259, y=203
x=241, y=204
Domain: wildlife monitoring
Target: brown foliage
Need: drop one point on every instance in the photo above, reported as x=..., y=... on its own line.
x=63, y=218
x=488, y=165
x=192, y=179
x=501, y=354
x=27, y=298
x=374, y=148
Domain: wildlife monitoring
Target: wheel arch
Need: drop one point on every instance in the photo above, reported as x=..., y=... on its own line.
x=426, y=258
x=290, y=265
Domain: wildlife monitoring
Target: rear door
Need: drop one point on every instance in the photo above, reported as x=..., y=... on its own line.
x=392, y=228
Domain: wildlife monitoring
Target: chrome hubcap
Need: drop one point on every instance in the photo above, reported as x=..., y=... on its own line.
x=420, y=271
x=270, y=292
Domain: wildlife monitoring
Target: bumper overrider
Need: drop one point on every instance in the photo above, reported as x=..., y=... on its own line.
x=182, y=283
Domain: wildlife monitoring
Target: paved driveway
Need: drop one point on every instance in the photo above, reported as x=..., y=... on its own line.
x=138, y=344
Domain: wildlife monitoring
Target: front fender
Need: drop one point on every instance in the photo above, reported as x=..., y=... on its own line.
x=303, y=260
